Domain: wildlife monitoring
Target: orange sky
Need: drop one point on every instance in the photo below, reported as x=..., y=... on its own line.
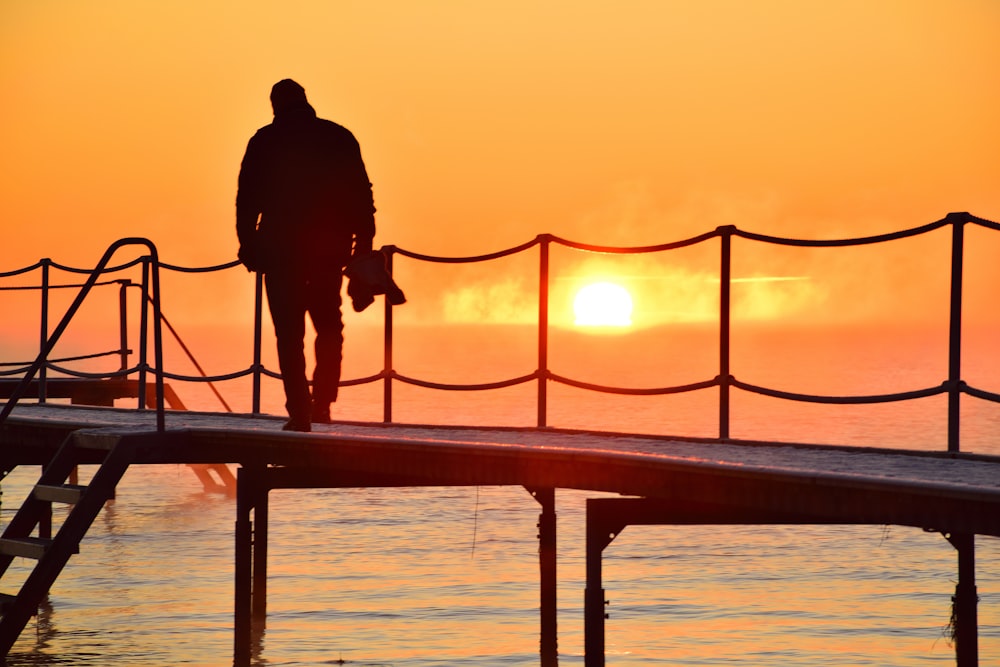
x=484, y=124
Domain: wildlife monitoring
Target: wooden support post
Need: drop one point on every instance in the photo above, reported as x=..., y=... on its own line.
x=259, y=601
x=243, y=566
x=602, y=528
x=547, y=558
x=964, y=611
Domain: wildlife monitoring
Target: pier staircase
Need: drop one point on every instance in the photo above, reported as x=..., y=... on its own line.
x=30, y=532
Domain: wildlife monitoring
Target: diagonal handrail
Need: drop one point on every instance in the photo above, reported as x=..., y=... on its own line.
x=101, y=267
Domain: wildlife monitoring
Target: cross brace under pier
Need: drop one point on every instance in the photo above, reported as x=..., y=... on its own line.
x=251, y=540
x=607, y=517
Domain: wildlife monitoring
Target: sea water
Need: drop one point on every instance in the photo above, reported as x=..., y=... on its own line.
x=449, y=576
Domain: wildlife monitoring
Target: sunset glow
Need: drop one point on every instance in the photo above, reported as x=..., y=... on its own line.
x=632, y=236
x=484, y=125
x=602, y=304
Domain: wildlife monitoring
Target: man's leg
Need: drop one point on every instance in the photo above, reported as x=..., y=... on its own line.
x=324, y=309
x=286, y=298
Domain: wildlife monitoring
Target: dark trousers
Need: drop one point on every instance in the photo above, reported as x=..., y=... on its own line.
x=292, y=291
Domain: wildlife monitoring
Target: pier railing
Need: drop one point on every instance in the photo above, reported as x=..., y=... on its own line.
x=954, y=386
x=151, y=291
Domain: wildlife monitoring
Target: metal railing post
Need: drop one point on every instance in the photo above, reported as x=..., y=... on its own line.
x=22, y=386
x=123, y=286
x=725, y=296
x=257, y=326
x=143, y=334
x=543, y=328
x=44, y=330
x=958, y=221
x=387, y=346
x=157, y=337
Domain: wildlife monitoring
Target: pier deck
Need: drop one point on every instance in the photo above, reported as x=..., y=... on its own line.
x=934, y=490
x=664, y=481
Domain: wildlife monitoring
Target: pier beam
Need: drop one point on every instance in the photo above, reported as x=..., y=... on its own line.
x=250, y=563
x=258, y=603
x=965, y=622
x=547, y=558
x=603, y=525
x=243, y=571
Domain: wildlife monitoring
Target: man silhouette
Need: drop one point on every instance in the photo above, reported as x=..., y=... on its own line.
x=304, y=207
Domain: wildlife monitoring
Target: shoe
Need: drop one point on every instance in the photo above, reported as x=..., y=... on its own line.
x=296, y=425
x=321, y=413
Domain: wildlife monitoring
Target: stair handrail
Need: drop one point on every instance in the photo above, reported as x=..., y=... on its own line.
x=154, y=299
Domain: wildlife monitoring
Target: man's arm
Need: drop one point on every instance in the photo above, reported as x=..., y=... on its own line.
x=364, y=205
x=248, y=208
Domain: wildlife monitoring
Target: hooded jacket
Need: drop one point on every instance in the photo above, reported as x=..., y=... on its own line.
x=303, y=193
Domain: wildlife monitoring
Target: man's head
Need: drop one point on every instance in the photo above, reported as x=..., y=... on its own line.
x=286, y=94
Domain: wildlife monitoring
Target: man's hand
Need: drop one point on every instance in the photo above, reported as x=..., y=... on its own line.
x=249, y=256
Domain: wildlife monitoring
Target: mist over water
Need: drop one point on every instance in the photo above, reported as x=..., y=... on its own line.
x=449, y=576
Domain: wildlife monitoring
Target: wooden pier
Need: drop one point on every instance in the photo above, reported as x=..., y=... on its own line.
x=661, y=481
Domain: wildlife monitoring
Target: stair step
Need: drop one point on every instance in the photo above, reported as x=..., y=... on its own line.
x=93, y=440
x=64, y=493
x=26, y=547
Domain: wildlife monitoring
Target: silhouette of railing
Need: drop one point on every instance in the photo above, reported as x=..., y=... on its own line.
x=954, y=386
x=150, y=287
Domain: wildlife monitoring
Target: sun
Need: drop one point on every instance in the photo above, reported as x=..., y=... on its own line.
x=602, y=304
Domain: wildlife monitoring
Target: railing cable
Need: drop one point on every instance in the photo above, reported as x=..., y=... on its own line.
x=840, y=400
x=954, y=386
x=24, y=365
x=837, y=243
x=53, y=338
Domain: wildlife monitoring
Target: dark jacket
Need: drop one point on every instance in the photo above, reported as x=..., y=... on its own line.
x=303, y=194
